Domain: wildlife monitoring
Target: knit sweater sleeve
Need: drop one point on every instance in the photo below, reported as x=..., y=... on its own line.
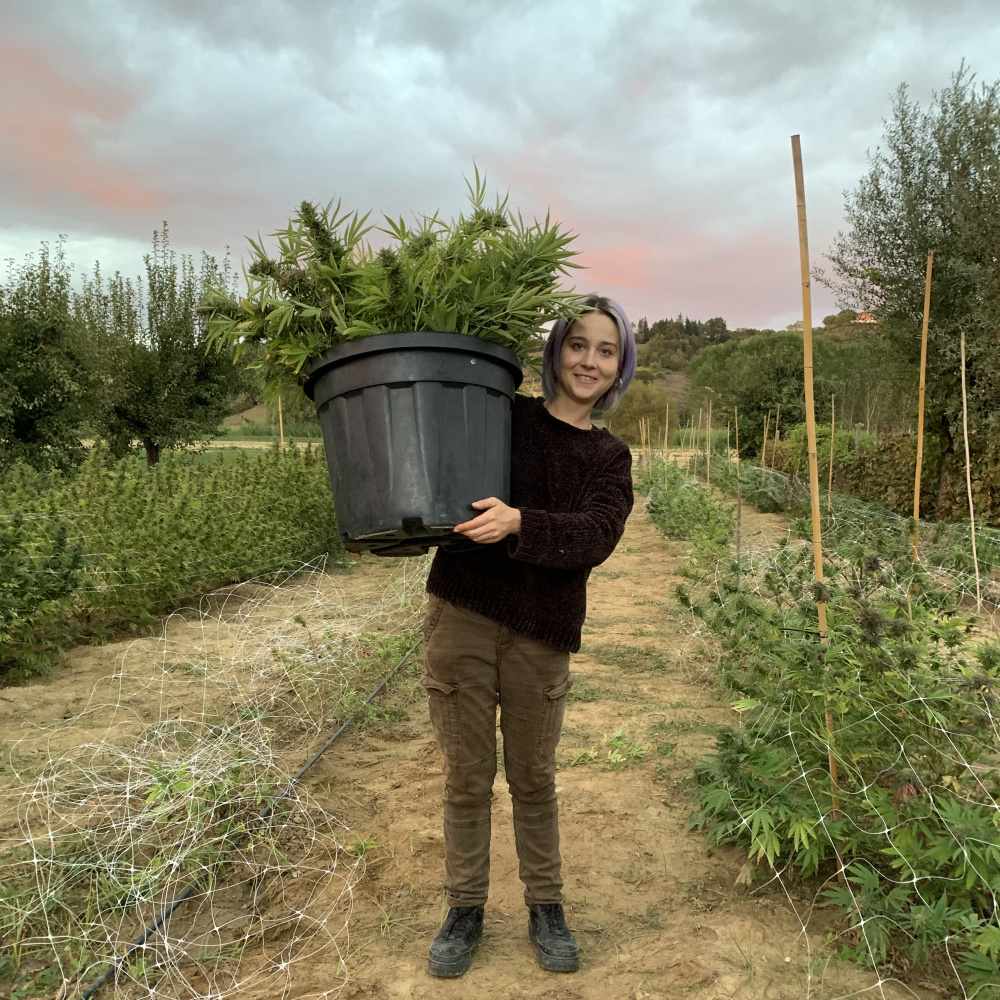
x=583, y=538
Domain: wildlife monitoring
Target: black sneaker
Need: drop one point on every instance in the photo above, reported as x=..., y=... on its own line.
x=460, y=934
x=556, y=947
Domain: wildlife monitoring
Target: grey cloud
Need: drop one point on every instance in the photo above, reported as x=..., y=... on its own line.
x=644, y=124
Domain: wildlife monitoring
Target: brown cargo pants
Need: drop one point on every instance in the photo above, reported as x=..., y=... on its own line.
x=472, y=665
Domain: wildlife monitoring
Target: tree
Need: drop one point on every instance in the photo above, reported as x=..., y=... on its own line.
x=44, y=371
x=161, y=385
x=760, y=372
x=934, y=184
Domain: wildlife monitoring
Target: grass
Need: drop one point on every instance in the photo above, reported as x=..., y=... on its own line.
x=630, y=659
x=585, y=692
x=300, y=430
x=615, y=751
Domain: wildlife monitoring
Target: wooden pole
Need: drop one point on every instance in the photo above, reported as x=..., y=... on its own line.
x=920, y=406
x=739, y=485
x=281, y=424
x=763, y=449
x=777, y=431
x=729, y=447
x=708, y=448
x=666, y=442
x=968, y=479
x=833, y=420
x=807, y=358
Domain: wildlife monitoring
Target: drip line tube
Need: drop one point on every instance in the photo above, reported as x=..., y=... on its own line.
x=115, y=966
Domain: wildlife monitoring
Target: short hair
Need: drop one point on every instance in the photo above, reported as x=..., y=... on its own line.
x=552, y=353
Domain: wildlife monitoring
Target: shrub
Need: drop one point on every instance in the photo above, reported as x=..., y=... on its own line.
x=120, y=544
x=906, y=704
x=681, y=508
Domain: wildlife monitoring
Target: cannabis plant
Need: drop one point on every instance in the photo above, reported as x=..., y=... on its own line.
x=487, y=273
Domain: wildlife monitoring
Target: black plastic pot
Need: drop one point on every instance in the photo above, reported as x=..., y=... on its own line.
x=416, y=427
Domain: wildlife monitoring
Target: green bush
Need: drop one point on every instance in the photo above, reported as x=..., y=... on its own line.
x=120, y=544
x=681, y=508
x=912, y=705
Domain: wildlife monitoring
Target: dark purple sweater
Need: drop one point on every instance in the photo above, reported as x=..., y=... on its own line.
x=574, y=491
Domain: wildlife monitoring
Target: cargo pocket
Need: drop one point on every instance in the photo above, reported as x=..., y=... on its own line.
x=553, y=710
x=442, y=700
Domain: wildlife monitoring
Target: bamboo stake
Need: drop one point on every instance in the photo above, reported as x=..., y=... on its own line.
x=729, y=447
x=833, y=419
x=920, y=406
x=763, y=450
x=807, y=351
x=666, y=442
x=777, y=432
x=708, y=448
x=968, y=479
x=281, y=424
x=697, y=441
x=739, y=484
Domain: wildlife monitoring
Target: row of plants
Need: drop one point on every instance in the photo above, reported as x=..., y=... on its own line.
x=683, y=509
x=883, y=469
x=118, y=544
x=945, y=546
x=904, y=697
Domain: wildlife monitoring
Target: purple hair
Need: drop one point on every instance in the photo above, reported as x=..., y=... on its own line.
x=552, y=352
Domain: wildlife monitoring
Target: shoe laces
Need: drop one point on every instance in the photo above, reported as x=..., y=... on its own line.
x=552, y=914
x=458, y=918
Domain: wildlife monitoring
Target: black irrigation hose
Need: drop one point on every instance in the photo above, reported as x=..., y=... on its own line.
x=115, y=966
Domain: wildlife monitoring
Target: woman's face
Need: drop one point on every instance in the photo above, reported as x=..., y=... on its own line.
x=588, y=363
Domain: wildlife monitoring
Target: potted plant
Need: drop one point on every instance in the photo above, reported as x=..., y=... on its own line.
x=411, y=352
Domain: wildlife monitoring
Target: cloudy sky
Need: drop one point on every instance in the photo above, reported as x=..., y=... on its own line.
x=657, y=130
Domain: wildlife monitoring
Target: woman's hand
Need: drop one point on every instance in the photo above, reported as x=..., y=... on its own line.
x=495, y=523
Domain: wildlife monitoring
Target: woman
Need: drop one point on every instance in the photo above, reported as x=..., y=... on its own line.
x=503, y=619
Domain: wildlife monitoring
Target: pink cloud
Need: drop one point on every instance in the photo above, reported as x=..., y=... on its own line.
x=45, y=152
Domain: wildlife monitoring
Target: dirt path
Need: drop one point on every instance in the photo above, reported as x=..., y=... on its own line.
x=656, y=914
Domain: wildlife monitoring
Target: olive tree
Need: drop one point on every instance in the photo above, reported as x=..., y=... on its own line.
x=933, y=184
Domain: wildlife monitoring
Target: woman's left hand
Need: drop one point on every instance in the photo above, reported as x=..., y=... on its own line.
x=495, y=523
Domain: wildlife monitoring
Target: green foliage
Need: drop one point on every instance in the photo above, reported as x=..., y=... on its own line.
x=912, y=705
x=760, y=373
x=488, y=274
x=672, y=343
x=616, y=751
x=39, y=575
x=640, y=401
x=160, y=385
x=44, y=369
x=631, y=659
x=120, y=544
x=934, y=184
x=682, y=508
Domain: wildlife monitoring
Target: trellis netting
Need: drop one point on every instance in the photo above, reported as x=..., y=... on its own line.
x=157, y=779
x=905, y=846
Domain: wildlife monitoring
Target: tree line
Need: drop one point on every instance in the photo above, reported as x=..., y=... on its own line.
x=122, y=360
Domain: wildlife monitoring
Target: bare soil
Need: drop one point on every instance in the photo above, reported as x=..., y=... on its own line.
x=655, y=912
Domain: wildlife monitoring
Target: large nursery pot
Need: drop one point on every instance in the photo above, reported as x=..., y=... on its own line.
x=416, y=427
